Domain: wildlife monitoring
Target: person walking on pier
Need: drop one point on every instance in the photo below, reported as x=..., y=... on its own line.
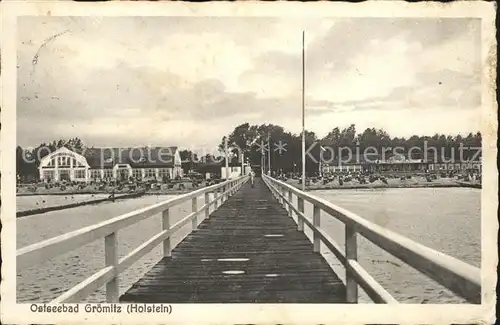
x=252, y=176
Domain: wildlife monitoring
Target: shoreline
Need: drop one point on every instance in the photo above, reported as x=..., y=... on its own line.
x=377, y=186
x=156, y=192
x=308, y=188
x=30, y=212
x=447, y=183
x=124, y=196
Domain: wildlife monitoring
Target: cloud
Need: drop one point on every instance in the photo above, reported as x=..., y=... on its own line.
x=180, y=80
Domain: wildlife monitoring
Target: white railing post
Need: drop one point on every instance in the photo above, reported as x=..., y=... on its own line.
x=216, y=199
x=300, y=221
x=194, y=206
x=165, y=220
x=207, y=205
x=111, y=259
x=316, y=223
x=290, y=199
x=351, y=253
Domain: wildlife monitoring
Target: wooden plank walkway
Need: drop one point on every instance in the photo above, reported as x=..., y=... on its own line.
x=249, y=251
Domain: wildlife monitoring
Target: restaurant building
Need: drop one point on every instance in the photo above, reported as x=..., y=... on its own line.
x=107, y=164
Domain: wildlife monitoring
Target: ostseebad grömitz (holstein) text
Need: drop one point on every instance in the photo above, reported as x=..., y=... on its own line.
x=102, y=308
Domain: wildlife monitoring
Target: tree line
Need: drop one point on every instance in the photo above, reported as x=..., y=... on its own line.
x=247, y=139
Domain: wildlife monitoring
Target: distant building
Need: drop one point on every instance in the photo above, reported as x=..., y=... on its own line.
x=348, y=164
x=398, y=163
x=106, y=164
x=235, y=170
x=452, y=165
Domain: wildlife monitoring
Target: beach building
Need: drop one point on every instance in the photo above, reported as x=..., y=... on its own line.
x=234, y=170
x=375, y=163
x=353, y=163
x=471, y=165
x=400, y=163
x=96, y=164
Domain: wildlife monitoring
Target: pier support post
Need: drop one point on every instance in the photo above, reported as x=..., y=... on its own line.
x=316, y=223
x=207, y=205
x=111, y=259
x=165, y=221
x=300, y=221
x=290, y=199
x=351, y=252
x=194, y=221
x=216, y=199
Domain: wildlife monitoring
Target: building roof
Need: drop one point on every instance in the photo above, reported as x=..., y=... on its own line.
x=139, y=157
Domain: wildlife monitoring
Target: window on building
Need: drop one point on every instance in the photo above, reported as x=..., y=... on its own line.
x=64, y=161
x=137, y=173
x=164, y=172
x=64, y=175
x=79, y=173
x=48, y=175
x=108, y=173
x=95, y=174
x=150, y=173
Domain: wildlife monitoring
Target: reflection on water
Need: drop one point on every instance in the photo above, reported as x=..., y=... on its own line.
x=445, y=219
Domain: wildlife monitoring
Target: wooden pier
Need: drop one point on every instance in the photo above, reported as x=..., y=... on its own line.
x=248, y=251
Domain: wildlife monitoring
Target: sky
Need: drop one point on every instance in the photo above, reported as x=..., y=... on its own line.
x=185, y=81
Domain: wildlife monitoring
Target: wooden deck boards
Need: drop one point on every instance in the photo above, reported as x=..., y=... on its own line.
x=273, y=261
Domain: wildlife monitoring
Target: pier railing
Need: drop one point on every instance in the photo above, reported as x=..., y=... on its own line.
x=109, y=275
x=458, y=276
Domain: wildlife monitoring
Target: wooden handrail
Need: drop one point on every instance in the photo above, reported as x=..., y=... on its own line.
x=47, y=249
x=461, y=278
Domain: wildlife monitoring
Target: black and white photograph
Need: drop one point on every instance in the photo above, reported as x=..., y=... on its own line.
x=162, y=160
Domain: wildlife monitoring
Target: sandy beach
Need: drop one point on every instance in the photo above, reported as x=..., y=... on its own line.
x=28, y=190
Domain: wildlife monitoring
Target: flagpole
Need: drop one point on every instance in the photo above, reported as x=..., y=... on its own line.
x=269, y=153
x=262, y=156
x=303, y=117
x=227, y=161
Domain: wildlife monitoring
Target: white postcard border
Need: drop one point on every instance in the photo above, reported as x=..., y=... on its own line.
x=256, y=313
